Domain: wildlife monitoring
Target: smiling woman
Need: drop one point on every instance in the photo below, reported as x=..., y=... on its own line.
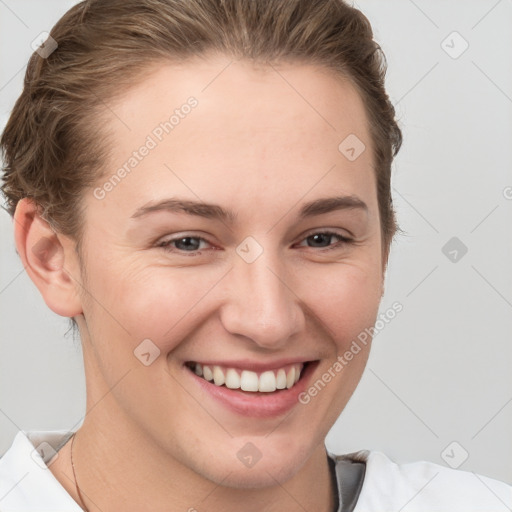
x=221, y=283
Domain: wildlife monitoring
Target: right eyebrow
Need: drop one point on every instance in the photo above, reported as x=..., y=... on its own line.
x=210, y=211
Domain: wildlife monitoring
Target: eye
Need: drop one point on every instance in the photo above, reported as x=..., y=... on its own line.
x=192, y=244
x=184, y=244
x=323, y=239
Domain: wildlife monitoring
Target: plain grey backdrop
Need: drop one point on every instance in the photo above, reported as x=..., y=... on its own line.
x=438, y=383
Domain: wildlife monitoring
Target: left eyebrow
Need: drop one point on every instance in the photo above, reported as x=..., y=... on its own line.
x=330, y=204
x=214, y=211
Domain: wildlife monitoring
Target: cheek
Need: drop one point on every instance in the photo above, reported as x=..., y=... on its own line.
x=155, y=302
x=344, y=299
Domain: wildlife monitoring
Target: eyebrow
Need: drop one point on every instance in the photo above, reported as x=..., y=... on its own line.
x=216, y=212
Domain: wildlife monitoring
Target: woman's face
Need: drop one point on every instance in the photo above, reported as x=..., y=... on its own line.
x=253, y=273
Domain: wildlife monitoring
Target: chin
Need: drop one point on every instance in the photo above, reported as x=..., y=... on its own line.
x=258, y=477
x=272, y=466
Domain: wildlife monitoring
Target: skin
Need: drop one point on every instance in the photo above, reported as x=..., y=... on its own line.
x=262, y=149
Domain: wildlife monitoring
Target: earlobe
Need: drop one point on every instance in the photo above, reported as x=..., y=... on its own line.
x=51, y=265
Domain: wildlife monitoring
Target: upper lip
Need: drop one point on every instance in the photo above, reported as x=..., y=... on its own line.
x=252, y=365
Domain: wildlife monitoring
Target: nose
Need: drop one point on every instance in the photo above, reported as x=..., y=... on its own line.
x=261, y=304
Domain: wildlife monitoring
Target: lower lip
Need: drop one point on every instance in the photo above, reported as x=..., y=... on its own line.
x=257, y=404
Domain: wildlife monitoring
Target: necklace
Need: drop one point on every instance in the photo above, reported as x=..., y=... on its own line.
x=74, y=476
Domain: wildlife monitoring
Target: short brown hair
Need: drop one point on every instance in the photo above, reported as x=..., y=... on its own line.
x=51, y=148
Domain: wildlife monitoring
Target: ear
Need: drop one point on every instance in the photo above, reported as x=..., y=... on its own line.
x=49, y=259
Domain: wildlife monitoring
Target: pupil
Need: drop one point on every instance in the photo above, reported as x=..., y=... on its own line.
x=319, y=238
x=185, y=243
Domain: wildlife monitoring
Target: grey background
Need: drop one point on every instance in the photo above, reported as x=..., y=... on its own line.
x=440, y=371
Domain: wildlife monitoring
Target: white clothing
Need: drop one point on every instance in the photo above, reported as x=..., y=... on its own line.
x=367, y=481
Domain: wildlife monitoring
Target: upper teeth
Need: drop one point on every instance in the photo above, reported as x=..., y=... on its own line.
x=250, y=381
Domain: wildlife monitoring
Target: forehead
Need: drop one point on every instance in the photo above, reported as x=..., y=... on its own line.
x=240, y=94
x=259, y=129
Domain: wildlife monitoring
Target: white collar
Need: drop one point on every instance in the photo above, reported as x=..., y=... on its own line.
x=26, y=483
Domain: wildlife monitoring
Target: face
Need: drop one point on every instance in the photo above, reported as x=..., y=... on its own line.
x=241, y=237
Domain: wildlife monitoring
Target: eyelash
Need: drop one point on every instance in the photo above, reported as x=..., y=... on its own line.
x=342, y=241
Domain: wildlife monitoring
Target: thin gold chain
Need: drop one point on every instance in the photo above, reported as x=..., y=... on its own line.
x=74, y=476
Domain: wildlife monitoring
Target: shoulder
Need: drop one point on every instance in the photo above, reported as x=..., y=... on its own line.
x=424, y=486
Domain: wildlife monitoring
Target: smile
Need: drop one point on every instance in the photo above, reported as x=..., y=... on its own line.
x=246, y=380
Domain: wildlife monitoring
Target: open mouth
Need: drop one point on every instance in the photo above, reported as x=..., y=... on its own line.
x=245, y=380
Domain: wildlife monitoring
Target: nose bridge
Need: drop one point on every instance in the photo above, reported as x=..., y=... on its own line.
x=261, y=306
